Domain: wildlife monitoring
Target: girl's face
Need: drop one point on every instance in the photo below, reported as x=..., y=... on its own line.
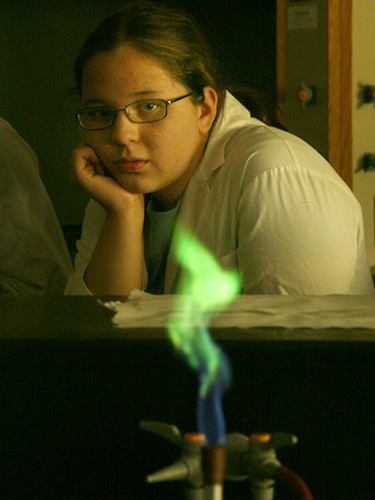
x=157, y=157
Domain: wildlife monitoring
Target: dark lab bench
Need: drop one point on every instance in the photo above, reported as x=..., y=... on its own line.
x=73, y=389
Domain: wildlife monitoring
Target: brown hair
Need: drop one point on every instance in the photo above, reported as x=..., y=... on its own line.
x=175, y=39
x=258, y=105
x=168, y=34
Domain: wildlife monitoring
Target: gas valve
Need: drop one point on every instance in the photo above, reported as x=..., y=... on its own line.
x=188, y=468
x=254, y=458
x=306, y=94
x=202, y=469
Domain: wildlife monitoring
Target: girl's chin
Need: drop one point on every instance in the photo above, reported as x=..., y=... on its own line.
x=135, y=187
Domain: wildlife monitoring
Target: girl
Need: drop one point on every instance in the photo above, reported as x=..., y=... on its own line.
x=164, y=142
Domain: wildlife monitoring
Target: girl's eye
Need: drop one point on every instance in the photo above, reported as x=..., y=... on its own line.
x=101, y=113
x=97, y=113
x=148, y=107
x=147, y=111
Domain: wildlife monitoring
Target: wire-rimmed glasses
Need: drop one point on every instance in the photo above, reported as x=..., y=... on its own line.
x=144, y=111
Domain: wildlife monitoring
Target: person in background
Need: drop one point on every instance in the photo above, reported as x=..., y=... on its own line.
x=164, y=142
x=34, y=258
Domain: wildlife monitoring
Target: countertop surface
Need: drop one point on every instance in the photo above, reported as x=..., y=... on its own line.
x=259, y=318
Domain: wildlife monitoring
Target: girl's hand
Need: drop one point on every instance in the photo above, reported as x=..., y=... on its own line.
x=88, y=172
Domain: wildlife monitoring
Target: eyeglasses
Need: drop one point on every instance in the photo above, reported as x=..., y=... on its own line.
x=145, y=111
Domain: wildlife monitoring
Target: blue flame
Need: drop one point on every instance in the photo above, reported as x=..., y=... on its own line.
x=210, y=414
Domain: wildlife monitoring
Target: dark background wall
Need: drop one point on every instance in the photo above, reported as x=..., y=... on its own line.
x=38, y=44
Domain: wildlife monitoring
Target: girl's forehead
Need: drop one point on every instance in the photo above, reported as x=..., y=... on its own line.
x=126, y=60
x=126, y=68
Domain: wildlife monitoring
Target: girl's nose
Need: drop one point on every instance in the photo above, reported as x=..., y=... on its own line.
x=123, y=130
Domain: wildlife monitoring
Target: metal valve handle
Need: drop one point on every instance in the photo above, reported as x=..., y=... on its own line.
x=255, y=453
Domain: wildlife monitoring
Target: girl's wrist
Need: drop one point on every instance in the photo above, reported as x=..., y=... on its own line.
x=126, y=213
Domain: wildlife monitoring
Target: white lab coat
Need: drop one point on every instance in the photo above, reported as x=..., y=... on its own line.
x=267, y=204
x=34, y=258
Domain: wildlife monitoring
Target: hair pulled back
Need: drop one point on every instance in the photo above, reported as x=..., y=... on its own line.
x=168, y=34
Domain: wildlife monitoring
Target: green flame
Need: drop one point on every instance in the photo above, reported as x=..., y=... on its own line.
x=204, y=289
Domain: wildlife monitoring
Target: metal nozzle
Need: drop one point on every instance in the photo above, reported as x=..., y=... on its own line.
x=178, y=471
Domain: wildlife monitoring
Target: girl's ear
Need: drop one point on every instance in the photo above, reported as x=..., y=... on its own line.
x=208, y=110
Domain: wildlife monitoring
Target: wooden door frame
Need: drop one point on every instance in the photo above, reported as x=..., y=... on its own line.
x=281, y=58
x=339, y=81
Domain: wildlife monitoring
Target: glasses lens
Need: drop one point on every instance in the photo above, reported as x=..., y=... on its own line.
x=96, y=118
x=147, y=111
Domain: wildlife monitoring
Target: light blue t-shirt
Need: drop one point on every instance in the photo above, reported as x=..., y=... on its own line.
x=158, y=231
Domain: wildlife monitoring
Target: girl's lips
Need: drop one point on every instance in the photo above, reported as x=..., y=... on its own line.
x=129, y=166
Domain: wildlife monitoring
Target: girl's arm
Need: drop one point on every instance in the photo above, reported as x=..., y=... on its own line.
x=115, y=267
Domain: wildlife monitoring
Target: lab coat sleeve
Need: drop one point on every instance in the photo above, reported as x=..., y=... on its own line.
x=34, y=258
x=92, y=225
x=301, y=233
x=91, y=228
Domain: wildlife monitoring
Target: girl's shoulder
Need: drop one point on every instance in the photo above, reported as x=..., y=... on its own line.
x=258, y=147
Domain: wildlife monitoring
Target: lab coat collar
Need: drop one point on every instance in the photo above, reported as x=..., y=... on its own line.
x=235, y=116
